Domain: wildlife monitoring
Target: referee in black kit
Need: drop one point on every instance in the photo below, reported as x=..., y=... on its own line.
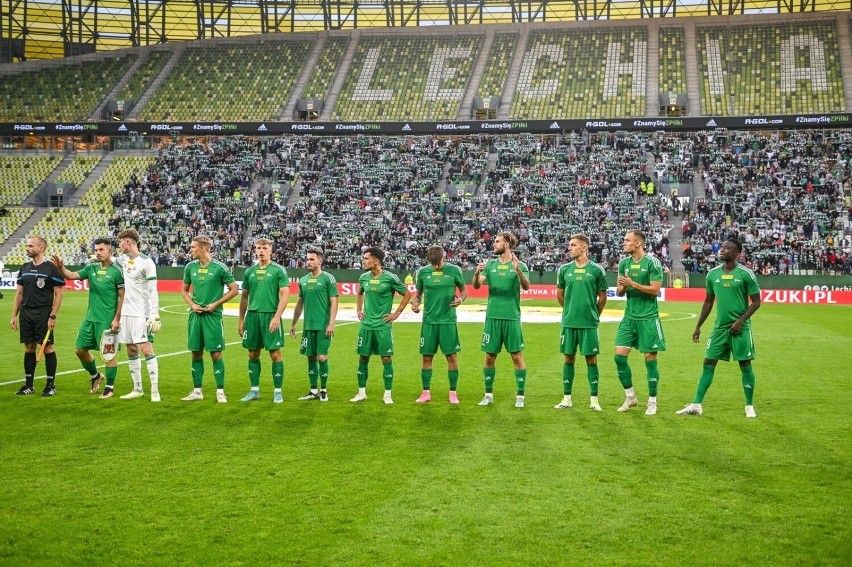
x=37, y=300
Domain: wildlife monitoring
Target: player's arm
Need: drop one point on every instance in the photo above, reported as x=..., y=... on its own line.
x=243, y=309
x=461, y=297
x=332, y=316
x=522, y=271
x=118, y=305
x=16, y=307
x=709, y=298
x=187, y=298
x=359, y=303
x=283, y=300
x=153, y=299
x=653, y=289
x=229, y=295
x=601, y=302
x=415, y=301
x=737, y=325
x=479, y=275
x=57, y=303
x=406, y=297
x=297, y=312
x=66, y=273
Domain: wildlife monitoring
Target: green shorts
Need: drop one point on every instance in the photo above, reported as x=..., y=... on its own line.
x=498, y=333
x=646, y=335
x=89, y=335
x=433, y=336
x=584, y=339
x=256, y=334
x=205, y=332
x=722, y=345
x=314, y=343
x=375, y=341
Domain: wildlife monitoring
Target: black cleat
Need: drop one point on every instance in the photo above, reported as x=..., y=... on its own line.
x=25, y=391
x=49, y=390
x=107, y=393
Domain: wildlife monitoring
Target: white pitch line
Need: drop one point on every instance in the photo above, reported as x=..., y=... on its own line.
x=125, y=362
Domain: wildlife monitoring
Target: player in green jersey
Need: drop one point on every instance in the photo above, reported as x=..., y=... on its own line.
x=207, y=278
x=376, y=289
x=506, y=277
x=640, y=278
x=738, y=294
x=436, y=286
x=266, y=292
x=106, y=295
x=581, y=291
x=318, y=300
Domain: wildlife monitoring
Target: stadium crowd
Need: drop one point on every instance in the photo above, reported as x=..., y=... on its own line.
x=785, y=196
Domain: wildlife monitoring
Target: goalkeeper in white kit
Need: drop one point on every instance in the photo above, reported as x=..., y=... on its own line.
x=140, y=317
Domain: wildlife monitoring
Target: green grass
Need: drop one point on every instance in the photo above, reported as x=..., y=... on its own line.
x=87, y=481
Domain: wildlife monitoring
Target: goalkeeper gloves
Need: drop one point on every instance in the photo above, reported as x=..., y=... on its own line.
x=154, y=324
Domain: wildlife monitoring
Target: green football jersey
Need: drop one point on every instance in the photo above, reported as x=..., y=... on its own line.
x=263, y=285
x=581, y=285
x=104, y=284
x=648, y=269
x=439, y=289
x=208, y=282
x=732, y=290
x=504, y=290
x=316, y=294
x=378, y=297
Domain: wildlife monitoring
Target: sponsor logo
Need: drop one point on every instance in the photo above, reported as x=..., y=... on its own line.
x=75, y=127
x=166, y=127
x=711, y=123
x=28, y=127
x=406, y=128
x=262, y=128
x=554, y=126
x=797, y=296
x=122, y=128
x=833, y=118
x=602, y=124
x=658, y=123
x=754, y=121
x=452, y=126
x=358, y=127
x=310, y=127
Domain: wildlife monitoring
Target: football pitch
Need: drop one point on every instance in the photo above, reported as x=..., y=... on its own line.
x=89, y=481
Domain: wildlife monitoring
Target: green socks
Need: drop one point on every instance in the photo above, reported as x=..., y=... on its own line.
x=111, y=373
x=254, y=373
x=91, y=368
x=426, y=378
x=748, y=383
x=218, y=373
x=313, y=373
x=653, y=377
x=704, y=382
x=323, y=372
x=387, y=374
x=278, y=374
x=363, y=367
x=197, y=372
x=521, y=380
x=567, y=378
x=454, y=379
x=625, y=376
x=594, y=376
x=489, y=374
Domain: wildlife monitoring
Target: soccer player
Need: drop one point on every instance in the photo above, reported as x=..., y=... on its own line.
x=106, y=295
x=506, y=276
x=436, y=286
x=376, y=289
x=266, y=292
x=581, y=291
x=736, y=288
x=37, y=301
x=640, y=277
x=140, y=313
x=208, y=279
x=318, y=300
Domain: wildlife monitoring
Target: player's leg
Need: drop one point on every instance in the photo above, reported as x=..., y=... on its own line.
x=195, y=344
x=131, y=333
x=153, y=367
x=568, y=347
x=520, y=377
x=625, y=340
x=365, y=346
x=653, y=382
x=453, y=375
x=717, y=348
x=387, y=378
x=111, y=372
x=308, y=349
x=513, y=338
x=589, y=345
x=428, y=348
x=50, y=364
x=322, y=360
x=219, y=375
x=31, y=342
x=277, y=375
x=491, y=346
x=450, y=344
x=87, y=338
x=742, y=348
x=652, y=341
x=253, y=342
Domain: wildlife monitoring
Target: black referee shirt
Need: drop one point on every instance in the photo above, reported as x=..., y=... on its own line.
x=38, y=283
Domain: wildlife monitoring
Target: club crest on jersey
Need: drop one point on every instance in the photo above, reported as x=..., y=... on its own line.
x=40, y=283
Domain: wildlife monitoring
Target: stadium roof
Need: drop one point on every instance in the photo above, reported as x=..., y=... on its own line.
x=42, y=29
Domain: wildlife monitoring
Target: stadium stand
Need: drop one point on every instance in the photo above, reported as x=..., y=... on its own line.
x=672, y=60
x=323, y=74
x=144, y=75
x=63, y=93
x=770, y=69
x=564, y=75
x=231, y=81
x=21, y=175
x=78, y=170
x=11, y=219
x=390, y=77
x=497, y=68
